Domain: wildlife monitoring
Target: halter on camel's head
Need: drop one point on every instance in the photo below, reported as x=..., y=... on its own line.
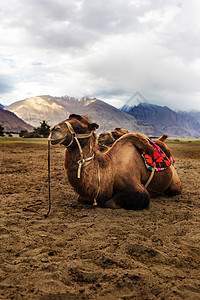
x=69, y=132
x=72, y=129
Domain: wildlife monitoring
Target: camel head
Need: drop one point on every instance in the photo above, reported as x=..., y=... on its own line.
x=76, y=126
x=108, y=138
x=121, y=130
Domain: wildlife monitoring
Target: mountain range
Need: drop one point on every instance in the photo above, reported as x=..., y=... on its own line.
x=56, y=109
x=150, y=119
x=165, y=120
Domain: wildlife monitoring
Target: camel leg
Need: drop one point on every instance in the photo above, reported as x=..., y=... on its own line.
x=175, y=186
x=130, y=199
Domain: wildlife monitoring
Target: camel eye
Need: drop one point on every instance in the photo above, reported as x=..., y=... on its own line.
x=57, y=128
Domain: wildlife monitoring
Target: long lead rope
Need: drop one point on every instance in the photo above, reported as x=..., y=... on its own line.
x=99, y=185
x=151, y=176
x=49, y=180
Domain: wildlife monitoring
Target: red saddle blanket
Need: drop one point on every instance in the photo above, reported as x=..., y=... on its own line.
x=159, y=159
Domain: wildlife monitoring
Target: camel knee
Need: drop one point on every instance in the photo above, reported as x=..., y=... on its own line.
x=175, y=186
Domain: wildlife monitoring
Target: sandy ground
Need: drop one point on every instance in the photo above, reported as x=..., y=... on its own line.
x=86, y=252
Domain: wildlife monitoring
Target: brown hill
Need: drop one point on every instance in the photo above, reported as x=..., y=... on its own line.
x=56, y=109
x=12, y=123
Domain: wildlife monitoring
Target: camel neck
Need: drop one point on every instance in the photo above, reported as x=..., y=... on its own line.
x=87, y=149
x=79, y=156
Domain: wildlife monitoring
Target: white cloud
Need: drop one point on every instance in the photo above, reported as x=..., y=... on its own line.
x=100, y=48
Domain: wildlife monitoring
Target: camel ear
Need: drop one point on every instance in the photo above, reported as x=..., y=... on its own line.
x=163, y=137
x=74, y=116
x=93, y=126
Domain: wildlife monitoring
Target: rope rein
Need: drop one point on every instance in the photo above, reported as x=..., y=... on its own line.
x=150, y=177
x=75, y=136
x=83, y=161
x=99, y=182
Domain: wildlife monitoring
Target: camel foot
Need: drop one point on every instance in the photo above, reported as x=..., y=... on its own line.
x=129, y=200
x=111, y=204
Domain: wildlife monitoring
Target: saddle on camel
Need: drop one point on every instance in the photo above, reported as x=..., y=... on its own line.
x=115, y=178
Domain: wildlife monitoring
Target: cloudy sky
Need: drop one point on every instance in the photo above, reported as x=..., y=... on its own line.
x=107, y=49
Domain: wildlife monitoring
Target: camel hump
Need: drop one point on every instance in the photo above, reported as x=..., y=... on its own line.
x=143, y=143
x=163, y=138
x=140, y=141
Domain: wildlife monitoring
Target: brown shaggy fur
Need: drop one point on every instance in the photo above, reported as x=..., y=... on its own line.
x=122, y=170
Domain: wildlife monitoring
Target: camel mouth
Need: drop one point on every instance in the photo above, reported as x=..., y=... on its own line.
x=55, y=142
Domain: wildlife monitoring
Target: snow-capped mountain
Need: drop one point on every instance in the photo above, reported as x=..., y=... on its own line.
x=164, y=119
x=135, y=99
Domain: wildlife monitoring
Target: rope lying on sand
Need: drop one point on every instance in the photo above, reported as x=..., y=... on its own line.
x=29, y=207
